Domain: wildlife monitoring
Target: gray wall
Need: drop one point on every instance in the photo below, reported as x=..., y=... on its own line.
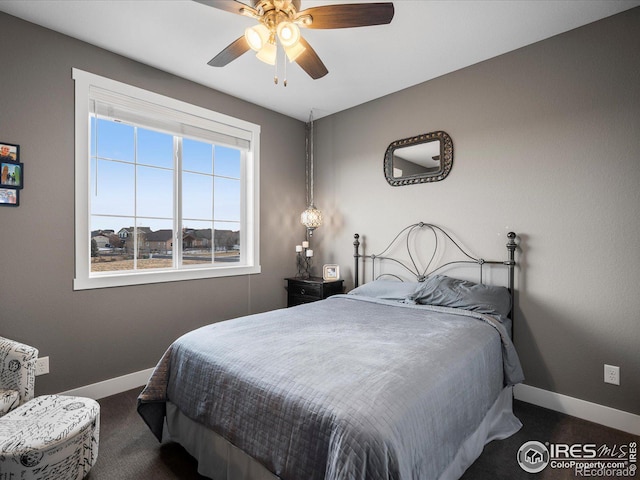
x=100, y=334
x=546, y=143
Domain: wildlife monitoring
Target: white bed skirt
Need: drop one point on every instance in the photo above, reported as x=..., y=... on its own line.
x=220, y=460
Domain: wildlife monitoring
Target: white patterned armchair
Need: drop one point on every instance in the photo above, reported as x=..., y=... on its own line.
x=17, y=374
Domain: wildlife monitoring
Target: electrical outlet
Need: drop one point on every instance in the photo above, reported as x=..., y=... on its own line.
x=611, y=374
x=42, y=366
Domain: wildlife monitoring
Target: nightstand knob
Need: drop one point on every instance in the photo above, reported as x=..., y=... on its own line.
x=302, y=292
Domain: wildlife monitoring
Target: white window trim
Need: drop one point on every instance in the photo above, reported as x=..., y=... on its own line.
x=251, y=228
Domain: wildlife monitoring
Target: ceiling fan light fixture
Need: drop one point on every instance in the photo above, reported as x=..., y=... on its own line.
x=279, y=21
x=268, y=53
x=257, y=36
x=288, y=34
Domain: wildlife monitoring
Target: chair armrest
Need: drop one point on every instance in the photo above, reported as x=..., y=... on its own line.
x=18, y=368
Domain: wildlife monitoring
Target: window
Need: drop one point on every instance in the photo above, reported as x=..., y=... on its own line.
x=165, y=190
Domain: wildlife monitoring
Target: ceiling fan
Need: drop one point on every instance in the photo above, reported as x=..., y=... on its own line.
x=280, y=22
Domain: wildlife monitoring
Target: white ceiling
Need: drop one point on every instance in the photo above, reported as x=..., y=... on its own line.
x=426, y=39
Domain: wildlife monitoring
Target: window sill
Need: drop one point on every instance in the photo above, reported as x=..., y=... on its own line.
x=143, y=278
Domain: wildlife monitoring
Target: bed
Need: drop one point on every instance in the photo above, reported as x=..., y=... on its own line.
x=394, y=380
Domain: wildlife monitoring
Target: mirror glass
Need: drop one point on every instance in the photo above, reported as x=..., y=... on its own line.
x=419, y=159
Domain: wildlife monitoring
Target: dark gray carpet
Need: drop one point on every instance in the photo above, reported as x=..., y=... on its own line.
x=128, y=450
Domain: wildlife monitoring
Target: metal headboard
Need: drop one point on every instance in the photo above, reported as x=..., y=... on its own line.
x=422, y=273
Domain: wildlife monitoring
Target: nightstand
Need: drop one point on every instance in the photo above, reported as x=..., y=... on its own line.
x=312, y=289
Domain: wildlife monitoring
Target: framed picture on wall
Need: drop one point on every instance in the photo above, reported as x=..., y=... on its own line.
x=11, y=175
x=9, y=197
x=9, y=152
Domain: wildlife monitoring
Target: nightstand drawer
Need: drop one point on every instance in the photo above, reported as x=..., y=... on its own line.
x=305, y=289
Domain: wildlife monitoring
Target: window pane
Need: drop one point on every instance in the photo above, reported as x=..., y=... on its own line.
x=112, y=188
x=108, y=240
x=196, y=243
x=155, y=244
x=154, y=148
x=197, y=156
x=197, y=196
x=114, y=140
x=227, y=242
x=226, y=199
x=154, y=192
x=227, y=162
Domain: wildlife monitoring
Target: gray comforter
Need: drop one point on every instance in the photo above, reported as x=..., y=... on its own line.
x=346, y=388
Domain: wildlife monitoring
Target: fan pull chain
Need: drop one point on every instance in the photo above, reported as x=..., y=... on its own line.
x=275, y=76
x=285, y=70
x=276, y=79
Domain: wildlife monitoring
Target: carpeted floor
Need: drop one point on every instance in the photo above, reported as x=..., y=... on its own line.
x=129, y=451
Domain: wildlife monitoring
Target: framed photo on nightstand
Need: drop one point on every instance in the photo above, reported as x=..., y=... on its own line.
x=330, y=272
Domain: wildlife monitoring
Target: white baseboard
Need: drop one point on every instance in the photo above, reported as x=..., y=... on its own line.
x=593, y=412
x=112, y=386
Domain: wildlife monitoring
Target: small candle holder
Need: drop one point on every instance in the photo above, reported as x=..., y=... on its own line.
x=304, y=259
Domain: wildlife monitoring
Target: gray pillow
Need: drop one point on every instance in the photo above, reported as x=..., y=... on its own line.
x=386, y=289
x=452, y=292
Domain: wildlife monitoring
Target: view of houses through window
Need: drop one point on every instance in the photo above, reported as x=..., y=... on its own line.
x=112, y=251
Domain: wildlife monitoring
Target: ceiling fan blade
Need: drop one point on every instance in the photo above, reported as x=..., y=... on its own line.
x=229, y=54
x=310, y=62
x=233, y=6
x=349, y=15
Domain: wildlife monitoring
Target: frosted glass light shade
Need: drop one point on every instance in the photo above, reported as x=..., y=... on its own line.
x=268, y=53
x=311, y=217
x=294, y=51
x=288, y=33
x=257, y=36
